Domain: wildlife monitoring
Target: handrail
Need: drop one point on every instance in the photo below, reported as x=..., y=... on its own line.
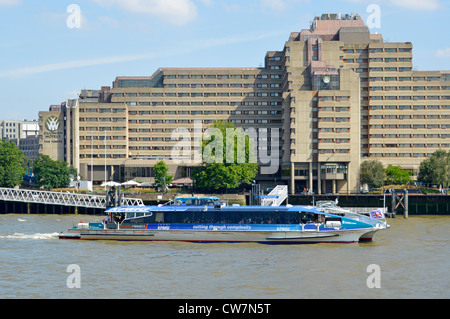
x=276, y=196
x=354, y=216
x=62, y=198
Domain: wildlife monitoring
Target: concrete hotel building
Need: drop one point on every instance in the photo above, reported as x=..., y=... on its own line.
x=335, y=96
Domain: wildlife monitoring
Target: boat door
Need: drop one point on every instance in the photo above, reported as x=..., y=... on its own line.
x=311, y=221
x=159, y=218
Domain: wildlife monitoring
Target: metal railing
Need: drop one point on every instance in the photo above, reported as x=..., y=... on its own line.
x=276, y=196
x=62, y=198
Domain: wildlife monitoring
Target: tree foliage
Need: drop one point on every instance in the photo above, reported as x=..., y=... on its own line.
x=436, y=169
x=372, y=173
x=51, y=174
x=11, y=170
x=228, y=158
x=397, y=176
x=162, y=178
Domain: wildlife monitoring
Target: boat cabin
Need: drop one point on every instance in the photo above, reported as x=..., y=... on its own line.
x=194, y=201
x=179, y=214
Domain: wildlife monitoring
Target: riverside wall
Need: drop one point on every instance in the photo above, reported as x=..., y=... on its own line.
x=417, y=204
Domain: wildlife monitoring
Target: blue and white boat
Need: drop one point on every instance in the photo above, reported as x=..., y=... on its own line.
x=207, y=220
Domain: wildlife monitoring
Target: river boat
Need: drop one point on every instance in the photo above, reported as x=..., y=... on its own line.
x=208, y=220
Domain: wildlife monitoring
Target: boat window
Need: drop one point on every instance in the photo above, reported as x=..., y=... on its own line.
x=130, y=215
x=206, y=201
x=307, y=218
x=139, y=215
x=236, y=217
x=191, y=202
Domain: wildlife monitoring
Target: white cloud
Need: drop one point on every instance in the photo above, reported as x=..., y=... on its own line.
x=207, y=3
x=73, y=64
x=277, y=5
x=427, y=5
x=183, y=49
x=177, y=12
x=232, y=7
x=9, y=2
x=443, y=53
x=231, y=40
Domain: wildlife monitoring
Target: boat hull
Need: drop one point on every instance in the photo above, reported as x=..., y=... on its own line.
x=271, y=225
x=291, y=237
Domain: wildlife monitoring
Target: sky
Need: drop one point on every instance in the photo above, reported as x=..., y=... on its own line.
x=53, y=49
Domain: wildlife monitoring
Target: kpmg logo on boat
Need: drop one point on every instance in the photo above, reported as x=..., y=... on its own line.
x=52, y=123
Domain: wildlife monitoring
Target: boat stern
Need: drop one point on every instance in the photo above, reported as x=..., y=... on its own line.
x=69, y=235
x=75, y=232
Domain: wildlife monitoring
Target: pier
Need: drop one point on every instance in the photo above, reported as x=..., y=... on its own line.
x=417, y=204
x=20, y=201
x=31, y=200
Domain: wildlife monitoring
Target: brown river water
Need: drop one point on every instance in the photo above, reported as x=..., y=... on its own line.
x=413, y=260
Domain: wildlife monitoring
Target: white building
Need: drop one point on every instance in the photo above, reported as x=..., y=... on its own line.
x=12, y=129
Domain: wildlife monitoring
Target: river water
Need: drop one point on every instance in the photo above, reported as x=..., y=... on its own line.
x=412, y=257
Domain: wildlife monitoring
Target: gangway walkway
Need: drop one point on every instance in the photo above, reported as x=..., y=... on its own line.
x=275, y=197
x=62, y=198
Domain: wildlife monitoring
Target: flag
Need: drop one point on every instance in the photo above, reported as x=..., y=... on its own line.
x=376, y=214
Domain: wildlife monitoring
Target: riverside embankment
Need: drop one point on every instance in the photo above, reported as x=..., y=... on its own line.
x=417, y=204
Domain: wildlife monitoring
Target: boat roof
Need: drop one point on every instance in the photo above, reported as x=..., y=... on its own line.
x=275, y=209
x=196, y=197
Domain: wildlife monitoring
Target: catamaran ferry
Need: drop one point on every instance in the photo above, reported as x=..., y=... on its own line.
x=207, y=220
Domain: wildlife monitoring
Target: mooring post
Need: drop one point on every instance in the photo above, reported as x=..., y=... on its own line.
x=406, y=204
x=394, y=207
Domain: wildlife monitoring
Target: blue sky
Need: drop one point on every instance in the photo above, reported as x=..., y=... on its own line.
x=48, y=55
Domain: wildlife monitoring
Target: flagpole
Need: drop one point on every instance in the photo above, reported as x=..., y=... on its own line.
x=92, y=161
x=105, y=160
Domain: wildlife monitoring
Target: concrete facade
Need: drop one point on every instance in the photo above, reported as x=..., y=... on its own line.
x=335, y=96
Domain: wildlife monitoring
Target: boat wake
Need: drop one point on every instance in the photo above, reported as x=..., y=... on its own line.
x=37, y=236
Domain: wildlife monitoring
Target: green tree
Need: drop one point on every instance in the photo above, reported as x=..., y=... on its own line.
x=397, y=176
x=372, y=173
x=11, y=170
x=51, y=174
x=436, y=169
x=425, y=172
x=228, y=158
x=162, y=178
